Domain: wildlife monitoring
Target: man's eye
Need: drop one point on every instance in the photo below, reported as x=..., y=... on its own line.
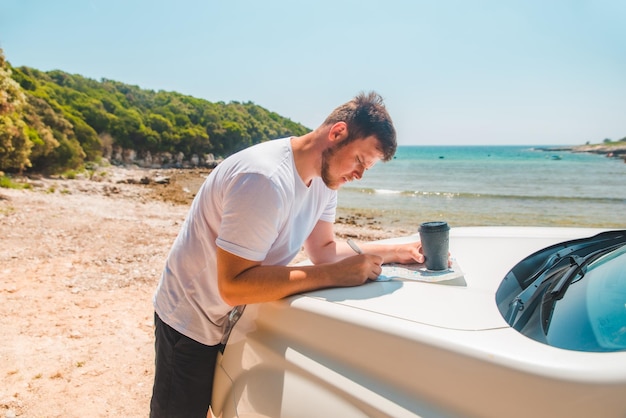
x=361, y=163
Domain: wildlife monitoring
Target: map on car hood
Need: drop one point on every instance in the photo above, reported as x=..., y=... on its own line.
x=419, y=272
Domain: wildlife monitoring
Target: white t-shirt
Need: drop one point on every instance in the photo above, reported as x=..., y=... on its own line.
x=254, y=205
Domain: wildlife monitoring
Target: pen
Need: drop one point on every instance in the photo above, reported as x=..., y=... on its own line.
x=355, y=247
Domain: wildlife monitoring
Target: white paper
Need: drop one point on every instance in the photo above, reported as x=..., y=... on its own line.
x=418, y=272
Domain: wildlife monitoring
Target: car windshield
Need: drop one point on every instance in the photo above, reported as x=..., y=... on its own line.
x=591, y=316
x=571, y=295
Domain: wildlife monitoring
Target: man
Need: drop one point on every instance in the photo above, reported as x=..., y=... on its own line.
x=249, y=219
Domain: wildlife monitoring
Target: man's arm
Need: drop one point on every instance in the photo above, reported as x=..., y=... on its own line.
x=243, y=281
x=322, y=247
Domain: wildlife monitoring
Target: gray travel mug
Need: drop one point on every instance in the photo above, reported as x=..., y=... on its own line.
x=435, y=244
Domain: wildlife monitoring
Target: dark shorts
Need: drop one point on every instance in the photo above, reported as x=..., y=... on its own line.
x=183, y=379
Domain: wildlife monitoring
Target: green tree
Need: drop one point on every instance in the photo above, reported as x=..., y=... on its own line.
x=15, y=143
x=42, y=122
x=69, y=120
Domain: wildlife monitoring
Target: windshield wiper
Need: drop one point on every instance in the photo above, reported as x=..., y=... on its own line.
x=554, y=266
x=577, y=270
x=528, y=295
x=578, y=267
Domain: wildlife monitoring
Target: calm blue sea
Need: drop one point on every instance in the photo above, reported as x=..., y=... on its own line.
x=491, y=185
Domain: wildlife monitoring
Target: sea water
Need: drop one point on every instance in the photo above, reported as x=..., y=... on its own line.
x=491, y=185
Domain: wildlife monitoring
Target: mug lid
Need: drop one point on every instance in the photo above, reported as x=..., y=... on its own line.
x=434, y=226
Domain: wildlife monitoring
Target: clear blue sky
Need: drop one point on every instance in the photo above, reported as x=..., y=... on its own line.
x=451, y=71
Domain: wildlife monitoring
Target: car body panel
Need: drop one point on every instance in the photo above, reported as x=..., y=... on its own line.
x=409, y=349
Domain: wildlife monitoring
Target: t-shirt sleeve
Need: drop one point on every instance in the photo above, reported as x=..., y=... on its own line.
x=330, y=211
x=252, y=215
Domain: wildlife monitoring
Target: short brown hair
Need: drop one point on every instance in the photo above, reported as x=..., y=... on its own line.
x=365, y=116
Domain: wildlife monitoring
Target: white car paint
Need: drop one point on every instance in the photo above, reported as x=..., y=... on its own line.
x=412, y=349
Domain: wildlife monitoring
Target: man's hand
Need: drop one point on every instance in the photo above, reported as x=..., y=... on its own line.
x=408, y=253
x=356, y=270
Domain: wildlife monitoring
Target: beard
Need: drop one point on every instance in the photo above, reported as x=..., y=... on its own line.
x=327, y=177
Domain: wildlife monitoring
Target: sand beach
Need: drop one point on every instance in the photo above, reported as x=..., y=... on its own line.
x=79, y=262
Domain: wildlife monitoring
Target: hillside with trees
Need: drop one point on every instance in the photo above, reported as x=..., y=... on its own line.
x=54, y=121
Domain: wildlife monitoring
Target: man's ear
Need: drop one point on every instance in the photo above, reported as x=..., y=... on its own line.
x=338, y=132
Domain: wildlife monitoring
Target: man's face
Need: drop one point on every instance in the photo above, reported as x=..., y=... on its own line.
x=344, y=163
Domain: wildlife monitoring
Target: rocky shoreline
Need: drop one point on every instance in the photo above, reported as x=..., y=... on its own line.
x=610, y=150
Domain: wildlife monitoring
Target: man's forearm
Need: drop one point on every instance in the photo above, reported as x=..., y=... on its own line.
x=268, y=283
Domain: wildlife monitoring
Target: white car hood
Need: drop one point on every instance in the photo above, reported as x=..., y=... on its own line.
x=483, y=254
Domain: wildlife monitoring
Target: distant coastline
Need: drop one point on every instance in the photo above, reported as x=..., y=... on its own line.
x=611, y=149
